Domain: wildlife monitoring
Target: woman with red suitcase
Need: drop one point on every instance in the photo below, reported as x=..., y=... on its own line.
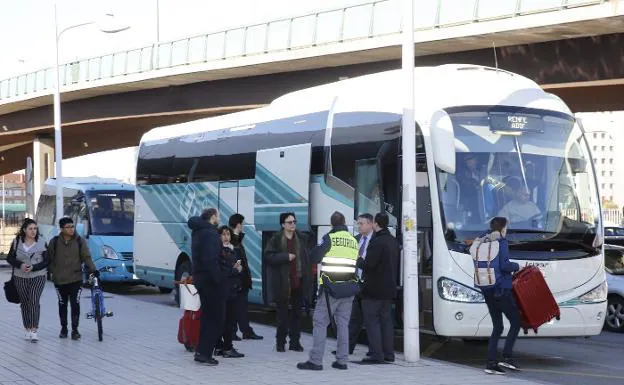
x=493, y=275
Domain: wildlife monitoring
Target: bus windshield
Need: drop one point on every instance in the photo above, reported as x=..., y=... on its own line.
x=111, y=212
x=532, y=167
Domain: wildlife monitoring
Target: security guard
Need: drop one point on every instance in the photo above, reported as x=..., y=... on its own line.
x=338, y=255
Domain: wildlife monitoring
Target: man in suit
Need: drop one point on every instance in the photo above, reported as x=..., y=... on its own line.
x=379, y=290
x=365, y=230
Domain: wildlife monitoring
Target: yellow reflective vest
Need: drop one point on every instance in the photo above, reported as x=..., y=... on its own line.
x=338, y=265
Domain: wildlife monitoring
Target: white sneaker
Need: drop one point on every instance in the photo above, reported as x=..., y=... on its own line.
x=34, y=337
x=27, y=336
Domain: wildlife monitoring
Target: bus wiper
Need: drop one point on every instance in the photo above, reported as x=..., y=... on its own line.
x=115, y=233
x=581, y=245
x=528, y=231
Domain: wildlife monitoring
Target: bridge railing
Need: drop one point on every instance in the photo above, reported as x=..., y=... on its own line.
x=357, y=22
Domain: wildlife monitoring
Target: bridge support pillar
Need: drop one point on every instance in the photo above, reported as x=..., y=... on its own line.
x=43, y=164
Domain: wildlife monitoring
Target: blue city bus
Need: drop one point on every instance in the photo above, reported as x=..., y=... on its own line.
x=103, y=211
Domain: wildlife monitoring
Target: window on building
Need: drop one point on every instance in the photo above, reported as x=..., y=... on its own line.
x=611, y=185
x=611, y=161
x=602, y=148
x=603, y=186
x=610, y=148
x=610, y=173
x=603, y=173
x=602, y=136
x=595, y=148
x=603, y=160
x=595, y=135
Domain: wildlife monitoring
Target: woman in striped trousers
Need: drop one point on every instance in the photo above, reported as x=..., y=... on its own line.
x=28, y=256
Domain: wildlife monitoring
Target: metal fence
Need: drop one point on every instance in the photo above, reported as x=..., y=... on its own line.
x=357, y=22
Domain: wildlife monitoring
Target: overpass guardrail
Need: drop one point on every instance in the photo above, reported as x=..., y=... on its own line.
x=356, y=22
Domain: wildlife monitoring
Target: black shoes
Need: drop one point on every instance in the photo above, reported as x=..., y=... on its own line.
x=296, y=347
x=371, y=361
x=235, y=337
x=252, y=336
x=232, y=353
x=309, y=366
x=508, y=363
x=75, y=335
x=205, y=360
x=63, y=333
x=280, y=348
x=492, y=368
x=337, y=365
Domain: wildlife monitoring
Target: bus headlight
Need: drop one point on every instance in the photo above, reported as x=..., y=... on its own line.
x=109, y=253
x=596, y=295
x=454, y=291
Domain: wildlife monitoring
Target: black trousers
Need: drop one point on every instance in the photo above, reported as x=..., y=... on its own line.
x=211, y=322
x=225, y=343
x=242, y=314
x=379, y=327
x=288, y=322
x=69, y=293
x=355, y=323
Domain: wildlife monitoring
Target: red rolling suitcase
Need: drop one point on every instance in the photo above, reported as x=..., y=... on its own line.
x=535, y=300
x=188, y=329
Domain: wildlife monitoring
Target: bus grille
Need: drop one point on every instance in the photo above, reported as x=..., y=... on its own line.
x=127, y=256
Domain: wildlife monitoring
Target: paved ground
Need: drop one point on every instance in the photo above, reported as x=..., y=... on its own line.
x=140, y=347
x=594, y=361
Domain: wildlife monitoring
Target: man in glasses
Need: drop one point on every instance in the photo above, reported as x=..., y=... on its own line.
x=67, y=252
x=289, y=276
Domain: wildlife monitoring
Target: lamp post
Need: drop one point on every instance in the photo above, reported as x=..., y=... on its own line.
x=58, y=142
x=411, y=316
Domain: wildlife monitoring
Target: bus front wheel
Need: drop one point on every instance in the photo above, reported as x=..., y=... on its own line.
x=182, y=271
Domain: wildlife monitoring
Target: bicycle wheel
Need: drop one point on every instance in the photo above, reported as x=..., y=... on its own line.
x=98, y=319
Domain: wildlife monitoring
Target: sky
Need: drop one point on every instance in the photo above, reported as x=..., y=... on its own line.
x=30, y=44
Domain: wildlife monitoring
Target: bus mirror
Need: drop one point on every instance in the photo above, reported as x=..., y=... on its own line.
x=443, y=142
x=80, y=229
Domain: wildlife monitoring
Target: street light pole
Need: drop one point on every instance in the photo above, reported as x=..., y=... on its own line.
x=411, y=316
x=58, y=141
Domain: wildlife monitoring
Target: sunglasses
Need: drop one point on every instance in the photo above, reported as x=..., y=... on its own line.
x=291, y=222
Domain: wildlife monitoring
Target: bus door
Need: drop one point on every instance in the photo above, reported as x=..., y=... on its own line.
x=425, y=247
x=228, y=199
x=281, y=184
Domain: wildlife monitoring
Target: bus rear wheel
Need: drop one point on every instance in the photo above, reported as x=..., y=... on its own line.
x=182, y=271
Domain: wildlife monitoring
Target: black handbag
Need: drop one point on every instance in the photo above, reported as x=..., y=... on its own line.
x=342, y=289
x=10, y=291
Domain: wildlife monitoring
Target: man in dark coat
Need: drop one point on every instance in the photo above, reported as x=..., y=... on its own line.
x=379, y=271
x=289, y=277
x=242, y=303
x=209, y=279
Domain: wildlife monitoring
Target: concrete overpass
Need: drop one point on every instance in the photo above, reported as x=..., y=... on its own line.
x=572, y=47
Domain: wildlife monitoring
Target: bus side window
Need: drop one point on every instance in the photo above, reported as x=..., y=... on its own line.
x=368, y=194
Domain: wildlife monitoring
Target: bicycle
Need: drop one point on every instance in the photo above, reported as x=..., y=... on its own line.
x=98, y=311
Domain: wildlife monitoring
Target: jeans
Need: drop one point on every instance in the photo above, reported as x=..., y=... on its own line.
x=499, y=304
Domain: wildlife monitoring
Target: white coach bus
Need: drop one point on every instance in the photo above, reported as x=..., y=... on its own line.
x=489, y=142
